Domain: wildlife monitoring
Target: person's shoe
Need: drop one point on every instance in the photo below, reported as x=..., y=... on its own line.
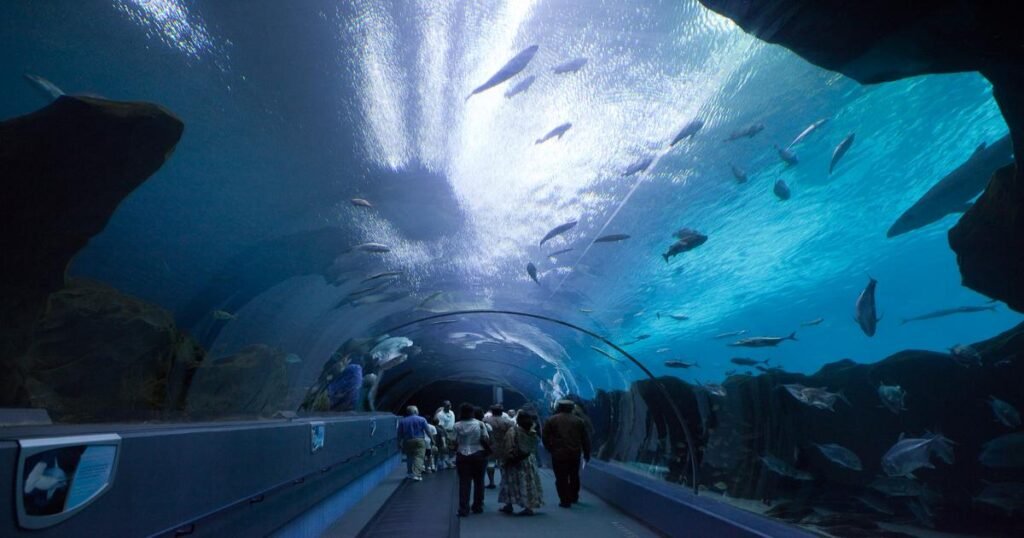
x=565, y=505
x=526, y=512
x=490, y=486
x=478, y=510
x=507, y=509
x=462, y=513
x=408, y=475
x=418, y=478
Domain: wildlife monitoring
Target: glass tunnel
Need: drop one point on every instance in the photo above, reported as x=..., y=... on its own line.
x=772, y=251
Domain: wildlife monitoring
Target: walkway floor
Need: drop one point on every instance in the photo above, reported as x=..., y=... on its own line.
x=592, y=517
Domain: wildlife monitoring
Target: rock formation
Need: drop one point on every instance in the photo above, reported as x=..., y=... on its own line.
x=100, y=355
x=758, y=418
x=252, y=382
x=66, y=168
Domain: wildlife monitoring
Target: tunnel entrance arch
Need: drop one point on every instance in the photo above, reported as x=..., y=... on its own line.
x=691, y=446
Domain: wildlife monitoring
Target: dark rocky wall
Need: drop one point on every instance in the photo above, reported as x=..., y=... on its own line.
x=759, y=417
x=65, y=169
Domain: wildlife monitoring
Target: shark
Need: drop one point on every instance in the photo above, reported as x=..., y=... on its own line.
x=954, y=192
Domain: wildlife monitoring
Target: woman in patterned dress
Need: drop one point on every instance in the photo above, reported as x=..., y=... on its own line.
x=520, y=481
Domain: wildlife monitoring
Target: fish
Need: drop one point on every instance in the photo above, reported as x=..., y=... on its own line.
x=840, y=150
x=787, y=156
x=679, y=364
x=359, y=202
x=389, y=352
x=746, y=132
x=841, y=456
x=729, y=334
x=384, y=274
x=48, y=88
x=507, y=71
x=611, y=238
x=864, y=311
x=558, y=230
x=949, y=312
x=954, y=192
x=897, y=486
x=531, y=270
x=520, y=87
x=816, y=397
x=965, y=356
x=372, y=247
x=586, y=310
x=639, y=166
x=1007, y=496
x=605, y=353
x=687, y=131
x=738, y=173
x=744, y=361
x=557, y=252
x=715, y=389
x=875, y=503
x=687, y=239
x=1004, y=412
x=785, y=469
x=763, y=341
x=812, y=323
x=571, y=66
x=921, y=512
x=807, y=132
x=781, y=190
x=636, y=339
x=892, y=397
x=557, y=131
x=720, y=485
x=224, y=315
x=663, y=350
x=1004, y=452
x=292, y=358
x=912, y=453
x=46, y=478
x=679, y=317
x=429, y=298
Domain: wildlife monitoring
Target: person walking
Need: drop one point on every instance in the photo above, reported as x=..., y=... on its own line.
x=431, y=441
x=565, y=437
x=445, y=418
x=472, y=445
x=499, y=423
x=520, y=481
x=411, y=432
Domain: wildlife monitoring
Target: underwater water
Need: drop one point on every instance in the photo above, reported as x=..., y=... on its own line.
x=249, y=240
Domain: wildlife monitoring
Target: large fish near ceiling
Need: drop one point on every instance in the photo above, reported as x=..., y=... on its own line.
x=507, y=71
x=954, y=192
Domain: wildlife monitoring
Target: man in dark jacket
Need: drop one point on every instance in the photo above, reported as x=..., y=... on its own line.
x=565, y=437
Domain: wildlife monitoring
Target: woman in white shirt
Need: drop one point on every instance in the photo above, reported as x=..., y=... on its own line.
x=470, y=459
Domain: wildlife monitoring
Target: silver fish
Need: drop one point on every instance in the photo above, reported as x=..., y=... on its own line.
x=611, y=238
x=912, y=453
x=688, y=131
x=1004, y=452
x=785, y=469
x=639, y=166
x=763, y=341
x=781, y=190
x=818, y=398
x=949, y=312
x=359, y=202
x=372, y=247
x=292, y=358
x=840, y=455
x=557, y=231
x=48, y=88
x=384, y=274
x=531, y=270
x=743, y=361
x=746, y=132
x=892, y=397
x=46, y=478
x=429, y=298
x=739, y=174
x=520, y=86
x=557, y=131
x=223, y=315
x=571, y=66
x=840, y=150
x=897, y=486
x=864, y=312
x=1007, y=496
x=679, y=364
x=807, y=132
x=812, y=323
x=1004, y=412
x=507, y=71
x=787, y=156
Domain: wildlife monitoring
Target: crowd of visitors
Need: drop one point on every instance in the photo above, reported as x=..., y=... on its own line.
x=481, y=446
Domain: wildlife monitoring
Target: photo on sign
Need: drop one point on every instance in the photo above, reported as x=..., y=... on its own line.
x=46, y=477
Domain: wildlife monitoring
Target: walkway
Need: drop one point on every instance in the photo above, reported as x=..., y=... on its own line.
x=425, y=510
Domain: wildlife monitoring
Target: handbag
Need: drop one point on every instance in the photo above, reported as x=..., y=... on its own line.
x=515, y=455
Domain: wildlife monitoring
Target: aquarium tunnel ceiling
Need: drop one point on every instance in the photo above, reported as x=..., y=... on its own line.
x=648, y=171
